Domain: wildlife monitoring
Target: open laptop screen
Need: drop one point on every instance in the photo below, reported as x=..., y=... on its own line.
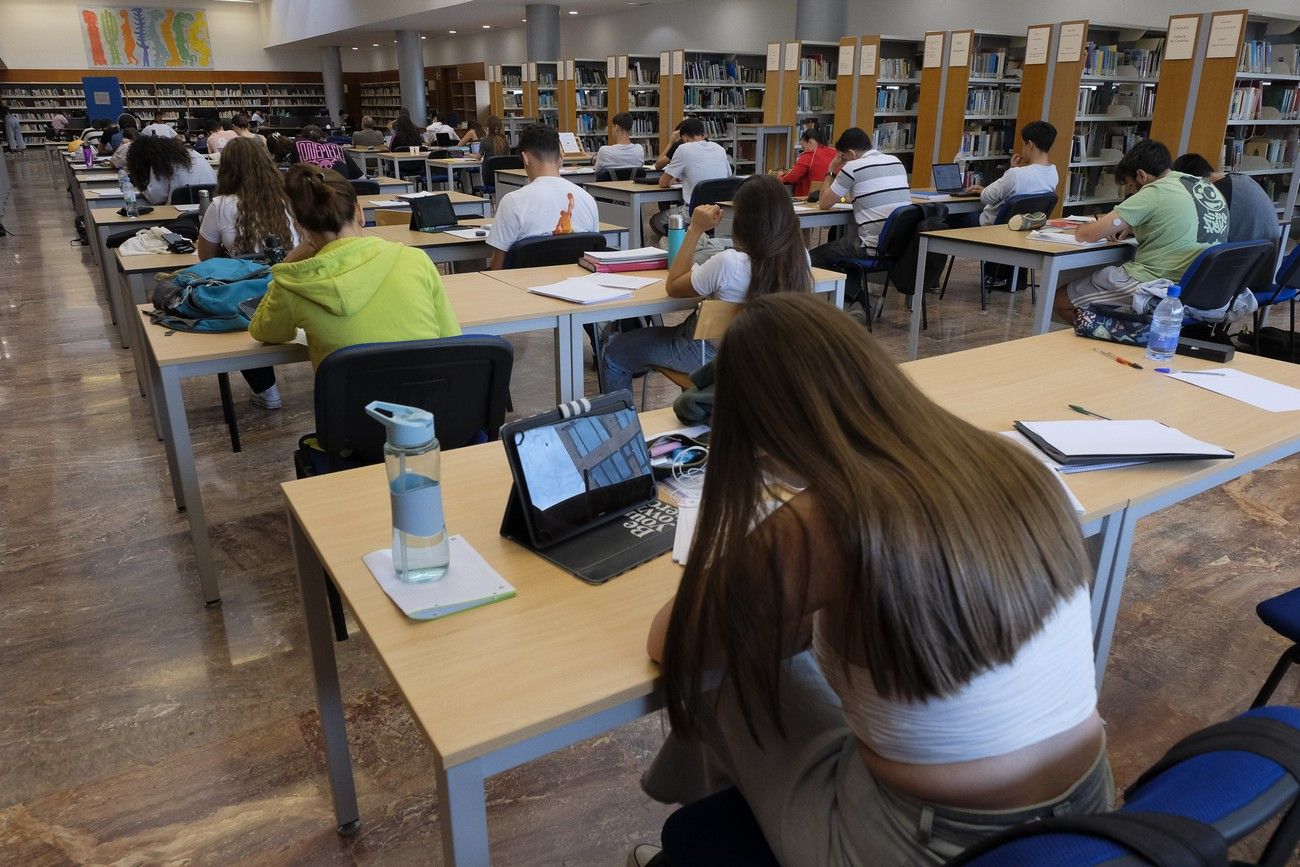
x=947, y=177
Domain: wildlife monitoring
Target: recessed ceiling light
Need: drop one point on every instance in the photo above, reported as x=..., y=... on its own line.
x=354, y=48
x=525, y=20
x=374, y=45
x=452, y=32
x=487, y=26
x=573, y=11
x=424, y=37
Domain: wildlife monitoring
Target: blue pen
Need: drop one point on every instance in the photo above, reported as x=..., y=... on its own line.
x=1194, y=372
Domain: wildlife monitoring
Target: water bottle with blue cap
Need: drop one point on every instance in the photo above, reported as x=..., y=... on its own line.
x=413, y=457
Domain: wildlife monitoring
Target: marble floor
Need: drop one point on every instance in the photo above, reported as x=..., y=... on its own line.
x=138, y=727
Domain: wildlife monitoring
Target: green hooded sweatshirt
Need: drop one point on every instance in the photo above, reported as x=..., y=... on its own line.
x=355, y=290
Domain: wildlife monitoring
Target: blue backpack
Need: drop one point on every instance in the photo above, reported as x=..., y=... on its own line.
x=206, y=297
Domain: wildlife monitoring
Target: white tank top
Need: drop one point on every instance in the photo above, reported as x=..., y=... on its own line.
x=1047, y=688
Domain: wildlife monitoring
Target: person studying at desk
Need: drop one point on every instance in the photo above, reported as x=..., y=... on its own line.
x=906, y=674
x=813, y=163
x=1173, y=216
x=547, y=205
x=695, y=159
x=367, y=136
x=621, y=152
x=159, y=165
x=1031, y=171
x=876, y=184
x=342, y=286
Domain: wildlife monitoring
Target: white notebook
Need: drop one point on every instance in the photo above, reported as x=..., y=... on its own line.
x=579, y=290
x=608, y=256
x=1096, y=441
x=469, y=583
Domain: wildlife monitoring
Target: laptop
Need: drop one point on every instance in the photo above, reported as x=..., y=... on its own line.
x=947, y=179
x=434, y=214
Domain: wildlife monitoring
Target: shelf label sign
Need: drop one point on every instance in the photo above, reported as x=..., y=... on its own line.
x=773, y=56
x=845, y=64
x=959, y=53
x=679, y=62
x=1180, y=44
x=610, y=67
x=1070, y=49
x=622, y=66
x=933, y=56
x=791, y=56
x=1225, y=34
x=1036, y=44
x=867, y=62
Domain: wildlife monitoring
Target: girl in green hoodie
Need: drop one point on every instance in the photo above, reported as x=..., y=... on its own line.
x=343, y=287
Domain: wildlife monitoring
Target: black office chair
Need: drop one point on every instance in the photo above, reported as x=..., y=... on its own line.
x=895, y=236
x=1026, y=203
x=1217, y=276
x=487, y=185
x=622, y=173
x=716, y=190
x=412, y=171
x=189, y=195
x=553, y=249
x=463, y=381
x=366, y=188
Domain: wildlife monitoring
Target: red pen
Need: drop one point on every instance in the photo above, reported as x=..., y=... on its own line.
x=1123, y=361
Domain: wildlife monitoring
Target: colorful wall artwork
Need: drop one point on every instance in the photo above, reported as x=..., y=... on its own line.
x=123, y=37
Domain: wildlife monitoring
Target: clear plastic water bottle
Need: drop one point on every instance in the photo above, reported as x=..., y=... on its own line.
x=1166, y=323
x=129, y=204
x=421, y=551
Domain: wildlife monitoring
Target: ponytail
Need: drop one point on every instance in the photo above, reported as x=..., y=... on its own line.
x=322, y=199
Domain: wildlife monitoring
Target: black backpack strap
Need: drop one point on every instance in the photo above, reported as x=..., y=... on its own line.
x=1269, y=738
x=1161, y=840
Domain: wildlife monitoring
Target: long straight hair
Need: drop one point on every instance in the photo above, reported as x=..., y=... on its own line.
x=956, y=544
x=246, y=172
x=767, y=230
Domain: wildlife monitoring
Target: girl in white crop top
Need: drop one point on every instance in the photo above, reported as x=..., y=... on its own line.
x=906, y=644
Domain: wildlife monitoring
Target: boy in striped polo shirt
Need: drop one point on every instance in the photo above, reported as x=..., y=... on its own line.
x=874, y=182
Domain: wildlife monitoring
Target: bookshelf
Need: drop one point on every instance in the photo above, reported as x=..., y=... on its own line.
x=585, y=100
x=992, y=97
x=636, y=91
x=817, y=83
x=509, y=91
x=541, y=92
x=381, y=100
x=723, y=89
x=1262, y=133
x=469, y=99
x=889, y=108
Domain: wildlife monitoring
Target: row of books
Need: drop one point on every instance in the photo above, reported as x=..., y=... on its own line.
x=724, y=72
x=1124, y=138
x=814, y=67
x=895, y=99
x=894, y=67
x=1278, y=152
x=895, y=136
x=646, y=99
x=1248, y=101
x=1107, y=59
x=717, y=127
x=992, y=100
x=547, y=100
x=589, y=124
x=816, y=99
x=512, y=100
x=1089, y=183
x=593, y=99
x=1259, y=56
x=988, y=64
x=1087, y=144
x=722, y=97
x=585, y=76
x=512, y=79
x=1098, y=100
x=986, y=141
x=546, y=79
x=641, y=75
x=644, y=125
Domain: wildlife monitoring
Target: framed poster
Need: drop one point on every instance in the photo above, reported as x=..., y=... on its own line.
x=123, y=37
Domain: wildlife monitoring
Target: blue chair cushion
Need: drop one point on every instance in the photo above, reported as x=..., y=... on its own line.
x=1053, y=850
x=1276, y=295
x=1282, y=614
x=1229, y=789
x=872, y=264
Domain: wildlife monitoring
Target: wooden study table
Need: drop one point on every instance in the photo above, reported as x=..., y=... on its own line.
x=622, y=201
x=482, y=305
x=515, y=680
x=651, y=300
x=509, y=180
x=450, y=166
x=999, y=244
x=102, y=222
x=363, y=158
x=954, y=204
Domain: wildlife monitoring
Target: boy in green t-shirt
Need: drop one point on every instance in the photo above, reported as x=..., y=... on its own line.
x=1173, y=216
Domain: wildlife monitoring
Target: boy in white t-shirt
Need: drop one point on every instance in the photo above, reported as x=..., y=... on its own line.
x=159, y=127
x=695, y=159
x=1031, y=172
x=547, y=205
x=435, y=128
x=620, y=153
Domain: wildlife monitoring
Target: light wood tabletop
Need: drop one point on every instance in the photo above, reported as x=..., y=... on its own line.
x=632, y=187
x=403, y=235
x=1001, y=236
x=455, y=196
x=110, y=217
x=154, y=262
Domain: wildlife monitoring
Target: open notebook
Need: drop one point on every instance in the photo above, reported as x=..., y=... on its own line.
x=1076, y=443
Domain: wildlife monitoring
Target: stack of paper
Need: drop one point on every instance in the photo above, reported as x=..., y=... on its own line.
x=1061, y=236
x=469, y=583
x=389, y=203
x=406, y=197
x=1080, y=443
x=594, y=288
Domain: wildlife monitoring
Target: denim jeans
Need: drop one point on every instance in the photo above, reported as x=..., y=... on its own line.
x=632, y=352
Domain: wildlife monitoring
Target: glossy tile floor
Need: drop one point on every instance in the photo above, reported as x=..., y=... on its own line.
x=138, y=727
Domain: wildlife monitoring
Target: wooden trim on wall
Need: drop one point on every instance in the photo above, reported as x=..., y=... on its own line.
x=162, y=76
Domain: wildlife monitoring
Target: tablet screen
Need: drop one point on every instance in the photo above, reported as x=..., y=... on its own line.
x=582, y=469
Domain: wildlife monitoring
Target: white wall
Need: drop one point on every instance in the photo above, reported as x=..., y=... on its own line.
x=46, y=34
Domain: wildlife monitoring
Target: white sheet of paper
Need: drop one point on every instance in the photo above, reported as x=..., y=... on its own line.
x=611, y=66
x=471, y=234
x=959, y=53
x=187, y=209
x=620, y=281
x=580, y=290
x=1180, y=44
x=867, y=62
x=1120, y=437
x=1225, y=34
x=1036, y=43
x=933, y=51
x=686, y=518
x=388, y=203
x=1070, y=48
x=469, y=582
x=663, y=62
x=622, y=66
x=1247, y=388
x=1018, y=438
x=679, y=62
x=845, y=64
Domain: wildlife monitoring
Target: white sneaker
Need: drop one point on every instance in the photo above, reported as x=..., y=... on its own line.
x=644, y=855
x=269, y=399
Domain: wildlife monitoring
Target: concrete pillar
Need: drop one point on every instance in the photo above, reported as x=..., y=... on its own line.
x=331, y=68
x=543, y=31
x=410, y=75
x=821, y=20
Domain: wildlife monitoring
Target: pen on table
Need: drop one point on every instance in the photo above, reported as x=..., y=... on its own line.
x=1083, y=411
x=1193, y=372
x=1123, y=361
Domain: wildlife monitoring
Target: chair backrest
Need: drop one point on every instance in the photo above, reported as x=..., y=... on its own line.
x=492, y=165
x=714, y=318
x=366, y=188
x=189, y=195
x=716, y=190
x=442, y=154
x=1025, y=203
x=896, y=234
x=445, y=139
x=1288, y=273
x=621, y=173
x=553, y=249
x=1221, y=271
x=463, y=381
x=385, y=217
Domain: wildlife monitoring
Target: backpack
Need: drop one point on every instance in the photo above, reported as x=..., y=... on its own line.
x=903, y=272
x=206, y=296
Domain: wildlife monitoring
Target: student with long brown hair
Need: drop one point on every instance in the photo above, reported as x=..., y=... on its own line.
x=897, y=602
x=768, y=257
x=248, y=206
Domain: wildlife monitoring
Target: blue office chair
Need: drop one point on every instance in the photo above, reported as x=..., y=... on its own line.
x=895, y=236
x=1218, y=275
x=1025, y=203
x=1282, y=615
x=1285, y=288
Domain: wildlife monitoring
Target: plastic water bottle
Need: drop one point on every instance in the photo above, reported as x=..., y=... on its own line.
x=129, y=203
x=88, y=154
x=676, y=235
x=421, y=551
x=1166, y=323
x=205, y=199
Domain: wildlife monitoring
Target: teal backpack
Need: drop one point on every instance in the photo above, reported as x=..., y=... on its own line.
x=206, y=296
